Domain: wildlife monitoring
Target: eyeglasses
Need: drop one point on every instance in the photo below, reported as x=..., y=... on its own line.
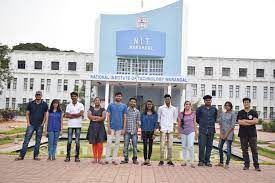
x=37, y=94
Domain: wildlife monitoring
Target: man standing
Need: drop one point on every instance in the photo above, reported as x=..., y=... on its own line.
x=206, y=116
x=36, y=116
x=247, y=119
x=167, y=116
x=116, y=124
x=74, y=111
x=132, y=123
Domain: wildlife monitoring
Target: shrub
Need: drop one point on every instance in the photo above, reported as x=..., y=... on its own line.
x=260, y=121
x=7, y=114
x=269, y=126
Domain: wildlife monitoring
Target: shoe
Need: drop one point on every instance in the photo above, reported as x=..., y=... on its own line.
x=170, y=163
x=208, y=164
x=36, y=158
x=148, y=163
x=135, y=162
x=226, y=166
x=192, y=166
x=106, y=162
x=101, y=162
x=114, y=163
x=145, y=163
x=161, y=163
x=200, y=164
x=219, y=164
x=124, y=162
x=53, y=158
x=77, y=159
x=183, y=164
x=94, y=161
x=67, y=159
x=49, y=158
x=257, y=169
x=245, y=168
x=18, y=158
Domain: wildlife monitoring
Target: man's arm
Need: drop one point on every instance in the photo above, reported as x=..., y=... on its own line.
x=159, y=117
x=243, y=123
x=198, y=115
x=251, y=122
x=28, y=118
x=45, y=118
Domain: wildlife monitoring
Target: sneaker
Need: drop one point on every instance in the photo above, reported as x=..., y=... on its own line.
x=257, y=169
x=36, y=158
x=67, y=159
x=161, y=163
x=148, y=163
x=170, y=163
x=124, y=162
x=135, y=162
x=200, y=164
x=245, y=168
x=208, y=164
x=114, y=163
x=77, y=159
x=18, y=158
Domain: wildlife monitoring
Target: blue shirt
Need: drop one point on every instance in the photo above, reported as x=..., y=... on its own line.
x=54, y=122
x=37, y=112
x=206, y=118
x=116, y=115
x=148, y=122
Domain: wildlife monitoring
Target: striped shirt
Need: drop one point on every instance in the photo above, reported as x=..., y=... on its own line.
x=132, y=120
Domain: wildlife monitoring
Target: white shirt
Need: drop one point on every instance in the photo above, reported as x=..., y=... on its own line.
x=74, y=109
x=167, y=116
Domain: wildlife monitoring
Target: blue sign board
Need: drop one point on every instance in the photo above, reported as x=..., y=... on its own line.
x=140, y=43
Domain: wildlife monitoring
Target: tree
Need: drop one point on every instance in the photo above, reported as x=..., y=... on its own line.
x=5, y=73
x=36, y=47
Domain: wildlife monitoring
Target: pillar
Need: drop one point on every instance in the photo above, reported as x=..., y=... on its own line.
x=112, y=93
x=87, y=98
x=106, y=94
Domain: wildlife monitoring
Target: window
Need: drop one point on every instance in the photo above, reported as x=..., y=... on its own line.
x=65, y=86
x=55, y=65
x=254, y=108
x=265, y=92
x=237, y=108
x=202, y=90
x=208, y=71
x=225, y=71
x=273, y=73
x=14, y=83
x=247, y=91
x=42, y=86
x=191, y=70
x=213, y=90
x=38, y=65
x=48, y=101
x=89, y=66
x=48, y=86
x=13, y=103
x=8, y=84
x=31, y=83
x=260, y=73
x=25, y=84
x=194, y=88
x=24, y=100
x=76, y=85
x=254, y=92
x=30, y=99
x=242, y=72
x=237, y=91
x=59, y=85
x=219, y=91
x=72, y=66
x=231, y=91
x=220, y=107
x=21, y=64
x=271, y=93
x=265, y=112
x=7, y=103
x=272, y=113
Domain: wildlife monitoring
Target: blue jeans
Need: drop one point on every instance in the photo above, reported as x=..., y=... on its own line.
x=205, y=146
x=228, y=150
x=52, y=143
x=77, y=132
x=28, y=136
x=127, y=138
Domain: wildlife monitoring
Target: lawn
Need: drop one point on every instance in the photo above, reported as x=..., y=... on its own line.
x=13, y=131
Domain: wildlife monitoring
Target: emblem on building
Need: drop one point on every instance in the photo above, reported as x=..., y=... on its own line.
x=142, y=22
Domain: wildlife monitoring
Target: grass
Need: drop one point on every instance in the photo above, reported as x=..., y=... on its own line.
x=271, y=145
x=266, y=152
x=13, y=131
x=6, y=140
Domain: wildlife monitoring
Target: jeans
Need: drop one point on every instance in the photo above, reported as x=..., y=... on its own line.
x=28, y=136
x=77, y=132
x=117, y=134
x=252, y=141
x=187, y=142
x=52, y=143
x=147, y=136
x=127, y=138
x=205, y=146
x=228, y=150
x=169, y=145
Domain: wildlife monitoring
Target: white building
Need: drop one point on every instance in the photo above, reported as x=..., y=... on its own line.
x=59, y=73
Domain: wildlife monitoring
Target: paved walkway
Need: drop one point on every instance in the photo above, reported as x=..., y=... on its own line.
x=33, y=171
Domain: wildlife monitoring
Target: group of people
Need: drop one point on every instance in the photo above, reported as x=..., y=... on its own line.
x=124, y=121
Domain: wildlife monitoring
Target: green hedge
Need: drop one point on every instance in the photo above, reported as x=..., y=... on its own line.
x=269, y=126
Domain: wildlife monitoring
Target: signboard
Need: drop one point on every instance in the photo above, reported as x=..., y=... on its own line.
x=139, y=78
x=140, y=43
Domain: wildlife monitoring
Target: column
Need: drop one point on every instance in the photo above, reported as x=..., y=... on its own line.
x=106, y=94
x=169, y=89
x=112, y=93
x=87, y=98
x=182, y=97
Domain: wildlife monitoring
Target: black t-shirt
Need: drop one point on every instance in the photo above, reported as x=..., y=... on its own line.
x=247, y=131
x=37, y=112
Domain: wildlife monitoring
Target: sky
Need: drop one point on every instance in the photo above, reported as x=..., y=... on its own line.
x=217, y=28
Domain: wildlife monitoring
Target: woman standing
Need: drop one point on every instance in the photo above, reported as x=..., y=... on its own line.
x=54, y=125
x=187, y=129
x=96, y=132
x=227, y=122
x=148, y=120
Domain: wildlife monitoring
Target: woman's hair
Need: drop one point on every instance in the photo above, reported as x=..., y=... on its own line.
x=228, y=103
x=58, y=106
x=183, y=113
x=146, y=108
